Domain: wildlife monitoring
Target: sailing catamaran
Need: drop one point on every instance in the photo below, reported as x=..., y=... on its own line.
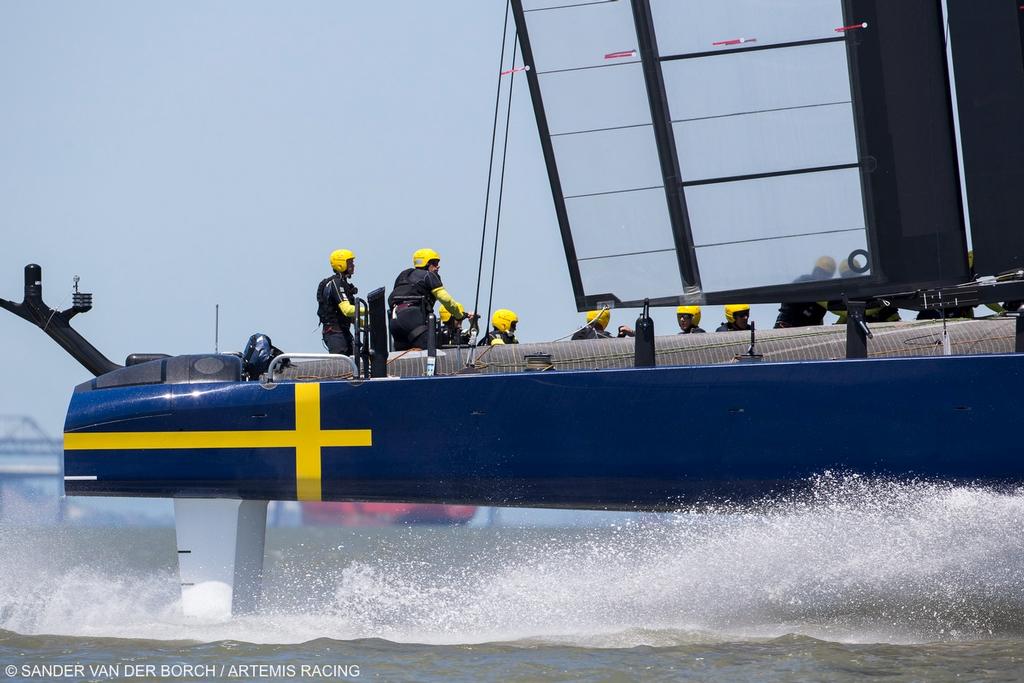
x=702, y=152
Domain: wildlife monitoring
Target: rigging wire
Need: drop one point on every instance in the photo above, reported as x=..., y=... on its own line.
x=490, y=162
x=501, y=182
x=589, y=323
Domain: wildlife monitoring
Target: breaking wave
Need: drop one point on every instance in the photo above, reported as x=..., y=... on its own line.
x=853, y=560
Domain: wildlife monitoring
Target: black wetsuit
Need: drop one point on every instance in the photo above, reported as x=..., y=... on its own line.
x=408, y=317
x=692, y=330
x=337, y=332
x=800, y=314
x=450, y=334
x=730, y=327
x=590, y=332
x=505, y=338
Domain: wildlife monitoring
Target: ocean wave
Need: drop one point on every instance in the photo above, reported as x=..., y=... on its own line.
x=850, y=560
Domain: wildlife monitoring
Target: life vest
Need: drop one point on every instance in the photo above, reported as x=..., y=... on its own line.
x=326, y=309
x=499, y=335
x=412, y=282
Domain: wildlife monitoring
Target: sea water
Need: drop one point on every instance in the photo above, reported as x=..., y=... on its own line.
x=901, y=581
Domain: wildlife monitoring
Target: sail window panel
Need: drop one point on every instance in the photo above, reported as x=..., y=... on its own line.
x=776, y=262
x=607, y=161
x=633, y=277
x=592, y=99
x=780, y=206
x=689, y=26
x=738, y=83
x=620, y=223
x=577, y=36
x=766, y=142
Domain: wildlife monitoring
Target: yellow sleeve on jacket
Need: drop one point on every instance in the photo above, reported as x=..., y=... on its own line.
x=349, y=310
x=453, y=306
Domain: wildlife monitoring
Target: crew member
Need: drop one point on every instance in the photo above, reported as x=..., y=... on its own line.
x=808, y=313
x=336, y=303
x=450, y=332
x=801, y=314
x=594, y=329
x=875, y=312
x=413, y=296
x=688, y=318
x=737, y=318
x=504, y=328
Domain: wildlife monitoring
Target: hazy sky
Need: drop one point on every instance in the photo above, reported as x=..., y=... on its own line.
x=180, y=155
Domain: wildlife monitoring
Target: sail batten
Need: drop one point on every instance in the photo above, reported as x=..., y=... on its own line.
x=751, y=47
x=770, y=174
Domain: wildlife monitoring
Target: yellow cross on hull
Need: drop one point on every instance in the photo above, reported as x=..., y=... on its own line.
x=307, y=439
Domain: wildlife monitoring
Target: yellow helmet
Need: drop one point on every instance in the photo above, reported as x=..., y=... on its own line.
x=421, y=257
x=732, y=309
x=603, y=317
x=340, y=259
x=692, y=310
x=825, y=265
x=503, y=319
x=445, y=315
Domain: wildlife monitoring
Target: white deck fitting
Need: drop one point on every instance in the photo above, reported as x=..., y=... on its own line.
x=220, y=555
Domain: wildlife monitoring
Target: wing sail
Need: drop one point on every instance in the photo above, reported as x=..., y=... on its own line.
x=720, y=150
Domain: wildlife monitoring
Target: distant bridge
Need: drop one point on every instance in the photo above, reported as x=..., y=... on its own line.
x=26, y=450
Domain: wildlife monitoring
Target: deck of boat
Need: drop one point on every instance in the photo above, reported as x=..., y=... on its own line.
x=983, y=335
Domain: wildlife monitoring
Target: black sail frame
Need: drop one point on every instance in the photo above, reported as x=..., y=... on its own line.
x=667, y=154
x=988, y=61
x=902, y=120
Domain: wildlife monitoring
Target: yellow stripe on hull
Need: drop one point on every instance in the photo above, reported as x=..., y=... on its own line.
x=307, y=439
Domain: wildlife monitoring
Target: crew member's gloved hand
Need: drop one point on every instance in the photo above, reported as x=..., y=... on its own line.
x=626, y=331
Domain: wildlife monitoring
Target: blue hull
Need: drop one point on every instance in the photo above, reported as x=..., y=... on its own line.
x=616, y=439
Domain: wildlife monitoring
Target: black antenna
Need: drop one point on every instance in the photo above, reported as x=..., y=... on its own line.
x=750, y=355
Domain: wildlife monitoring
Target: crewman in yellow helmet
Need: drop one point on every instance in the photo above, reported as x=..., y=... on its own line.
x=688, y=318
x=503, y=330
x=336, y=303
x=597, y=321
x=737, y=318
x=413, y=296
x=450, y=332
